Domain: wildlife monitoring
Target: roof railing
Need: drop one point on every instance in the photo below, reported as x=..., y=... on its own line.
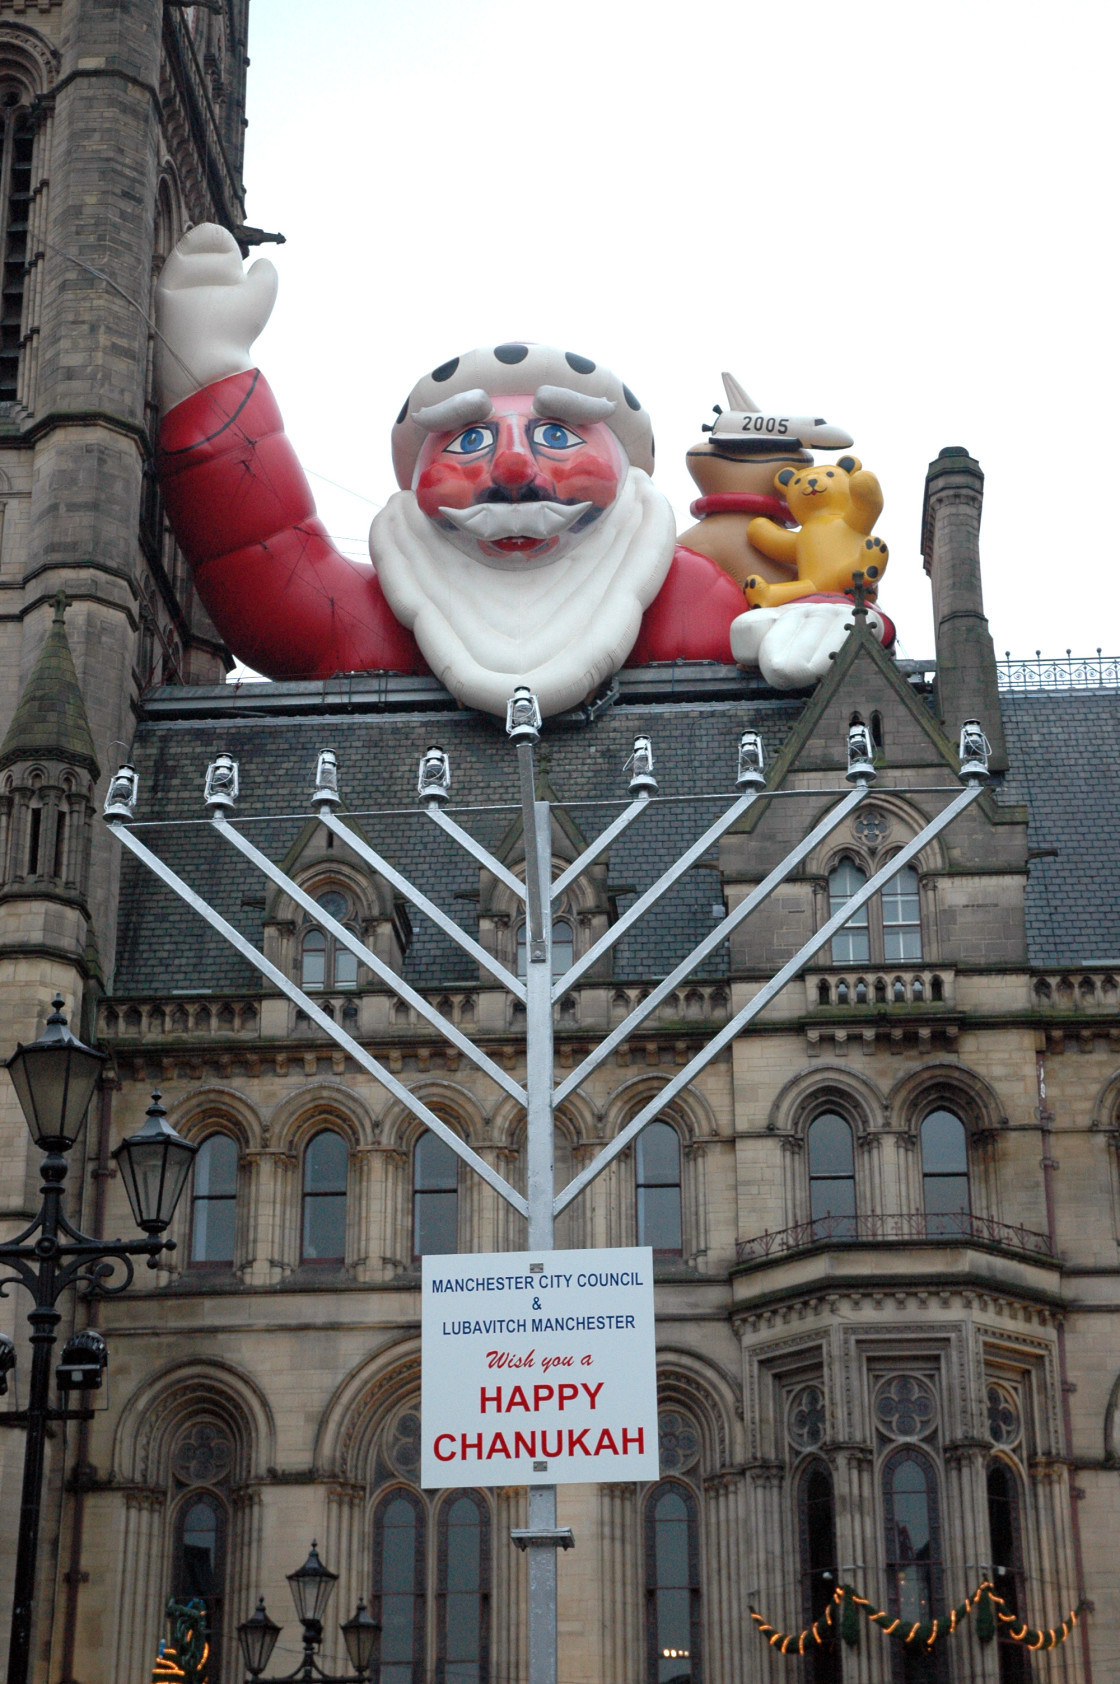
x=1060, y=672
x=902, y=1227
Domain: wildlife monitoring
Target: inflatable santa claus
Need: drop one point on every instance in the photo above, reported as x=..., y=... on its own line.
x=527, y=544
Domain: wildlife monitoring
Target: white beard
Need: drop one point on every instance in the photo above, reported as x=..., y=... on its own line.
x=560, y=628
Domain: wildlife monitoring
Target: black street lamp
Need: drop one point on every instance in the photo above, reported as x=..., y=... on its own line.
x=54, y=1079
x=312, y=1587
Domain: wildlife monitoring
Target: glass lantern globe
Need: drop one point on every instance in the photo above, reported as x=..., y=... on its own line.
x=360, y=1632
x=54, y=1079
x=312, y=1586
x=257, y=1637
x=154, y=1164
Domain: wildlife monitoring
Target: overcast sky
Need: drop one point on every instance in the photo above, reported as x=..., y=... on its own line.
x=895, y=216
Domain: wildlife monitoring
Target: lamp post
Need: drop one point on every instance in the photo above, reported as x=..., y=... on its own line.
x=54, y=1079
x=312, y=1588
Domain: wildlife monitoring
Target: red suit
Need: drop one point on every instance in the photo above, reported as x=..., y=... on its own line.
x=290, y=604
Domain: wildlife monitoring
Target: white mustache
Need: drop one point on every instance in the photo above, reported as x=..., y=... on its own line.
x=489, y=522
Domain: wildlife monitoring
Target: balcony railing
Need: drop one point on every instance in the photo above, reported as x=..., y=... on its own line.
x=910, y=1227
x=1060, y=672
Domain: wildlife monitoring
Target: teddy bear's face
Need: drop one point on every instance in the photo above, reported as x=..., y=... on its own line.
x=808, y=491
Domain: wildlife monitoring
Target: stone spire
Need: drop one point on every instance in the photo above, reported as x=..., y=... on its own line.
x=50, y=721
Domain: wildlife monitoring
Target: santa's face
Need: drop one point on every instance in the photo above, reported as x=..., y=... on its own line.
x=518, y=490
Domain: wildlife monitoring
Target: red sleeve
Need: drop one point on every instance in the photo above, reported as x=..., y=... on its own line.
x=690, y=617
x=279, y=592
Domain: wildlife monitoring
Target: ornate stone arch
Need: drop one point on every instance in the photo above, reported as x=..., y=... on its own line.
x=214, y=1110
x=689, y=1112
x=830, y=1087
x=193, y=1409
x=323, y=1104
x=711, y=1396
x=372, y=896
x=902, y=820
x=957, y=1087
x=452, y=1101
x=28, y=62
x=1106, y=1106
x=362, y=1405
x=1112, y=1427
x=174, y=1395
x=577, y=1119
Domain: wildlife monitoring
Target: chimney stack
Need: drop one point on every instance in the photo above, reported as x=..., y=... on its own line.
x=967, y=687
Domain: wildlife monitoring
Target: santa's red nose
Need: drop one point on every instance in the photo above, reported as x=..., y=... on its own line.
x=513, y=467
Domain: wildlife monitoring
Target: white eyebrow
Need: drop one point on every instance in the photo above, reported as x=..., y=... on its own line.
x=576, y=407
x=458, y=411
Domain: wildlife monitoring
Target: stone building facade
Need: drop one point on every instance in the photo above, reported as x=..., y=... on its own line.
x=885, y=1222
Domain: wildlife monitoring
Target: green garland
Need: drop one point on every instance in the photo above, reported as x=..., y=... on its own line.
x=842, y=1617
x=185, y=1659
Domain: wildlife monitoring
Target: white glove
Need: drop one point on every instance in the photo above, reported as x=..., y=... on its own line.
x=208, y=312
x=793, y=646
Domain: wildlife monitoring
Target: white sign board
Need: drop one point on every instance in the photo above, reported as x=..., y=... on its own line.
x=538, y=1368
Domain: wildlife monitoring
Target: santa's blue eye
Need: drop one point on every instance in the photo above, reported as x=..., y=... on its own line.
x=555, y=437
x=470, y=442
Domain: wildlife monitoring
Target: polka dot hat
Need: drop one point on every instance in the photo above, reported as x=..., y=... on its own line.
x=520, y=367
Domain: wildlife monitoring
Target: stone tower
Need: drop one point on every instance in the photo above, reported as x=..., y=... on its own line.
x=121, y=123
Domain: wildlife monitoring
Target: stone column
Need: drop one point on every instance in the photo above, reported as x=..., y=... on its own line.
x=257, y=1190
x=144, y=1583
x=858, y=1552
x=243, y=1571
x=347, y=1554
x=725, y=1614
x=966, y=661
x=366, y=1247
x=696, y=1222
x=766, y=1578
x=966, y=1548
x=511, y=1586
x=1052, y=1588
x=623, y=1598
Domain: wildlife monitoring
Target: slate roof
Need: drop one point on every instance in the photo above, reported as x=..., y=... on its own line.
x=1064, y=749
x=164, y=946
x=1065, y=766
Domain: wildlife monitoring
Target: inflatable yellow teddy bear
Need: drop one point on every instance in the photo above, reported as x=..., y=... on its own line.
x=837, y=507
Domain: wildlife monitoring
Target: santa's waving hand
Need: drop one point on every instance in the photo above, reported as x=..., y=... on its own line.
x=209, y=311
x=280, y=593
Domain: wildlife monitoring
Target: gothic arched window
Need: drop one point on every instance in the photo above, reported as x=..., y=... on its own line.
x=398, y=1587
x=672, y=1575
x=324, y=962
x=324, y=1199
x=435, y=1197
x=902, y=920
x=198, y=1562
x=463, y=1590
x=851, y=945
x=657, y=1176
x=816, y=1515
x=945, y=1174
x=1005, y=1531
x=913, y=1539
x=17, y=148
x=563, y=947
x=885, y=930
x=832, y=1176
x=214, y=1200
